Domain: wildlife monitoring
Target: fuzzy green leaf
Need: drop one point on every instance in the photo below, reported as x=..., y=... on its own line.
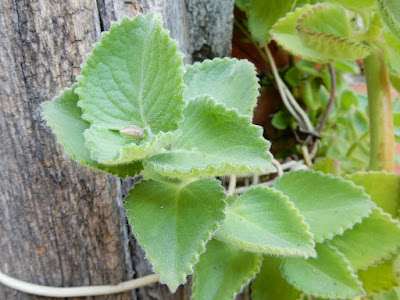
x=325, y=29
x=263, y=220
x=384, y=189
x=329, y=204
x=269, y=283
x=229, y=81
x=214, y=141
x=393, y=294
x=356, y=4
x=390, y=12
x=327, y=165
x=222, y=271
x=65, y=119
x=370, y=242
x=329, y=275
x=378, y=278
x=262, y=15
x=314, y=46
x=110, y=147
x=173, y=222
x=133, y=77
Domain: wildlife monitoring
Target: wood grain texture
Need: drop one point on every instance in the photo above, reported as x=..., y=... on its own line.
x=62, y=224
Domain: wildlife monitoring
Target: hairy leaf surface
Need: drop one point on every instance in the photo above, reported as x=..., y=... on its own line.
x=133, y=77
x=325, y=28
x=377, y=237
x=222, y=271
x=311, y=45
x=390, y=12
x=384, y=189
x=64, y=117
x=229, y=81
x=172, y=223
x=329, y=204
x=214, y=141
x=270, y=284
x=378, y=278
x=329, y=275
x=263, y=220
x=110, y=147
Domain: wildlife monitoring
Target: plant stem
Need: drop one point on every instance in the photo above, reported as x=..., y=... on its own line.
x=83, y=291
x=380, y=112
x=331, y=99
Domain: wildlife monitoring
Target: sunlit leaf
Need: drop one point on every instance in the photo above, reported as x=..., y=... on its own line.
x=229, y=81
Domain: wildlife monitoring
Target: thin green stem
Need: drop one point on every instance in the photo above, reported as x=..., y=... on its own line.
x=380, y=112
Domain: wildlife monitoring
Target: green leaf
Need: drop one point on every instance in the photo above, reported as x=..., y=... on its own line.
x=393, y=294
x=384, y=189
x=281, y=120
x=348, y=98
x=263, y=14
x=329, y=204
x=133, y=77
x=345, y=66
x=269, y=283
x=65, y=119
x=263, y=220
x=314, y=46
x=390, y=12
x=356, y=4
x=370, y=242
x=214, y=141
x=222, y=271
x=110, y=147
x=327, y=165
x=395, y=80
x=229, y=81
x=173, y=223
x=325, y=29
x=391, y=45
x=378, y=278
x=329, y=275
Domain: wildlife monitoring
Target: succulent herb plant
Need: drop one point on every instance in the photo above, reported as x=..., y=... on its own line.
x=136, y=109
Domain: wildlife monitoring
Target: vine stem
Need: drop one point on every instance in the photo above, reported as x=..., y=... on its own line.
x=380, y=112
x=83, y=291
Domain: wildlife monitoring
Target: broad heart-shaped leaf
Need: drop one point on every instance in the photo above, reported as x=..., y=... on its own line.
x=64, y=117
x=269, y=283
x=133, y=77
x=262, y=15
x=390, y=12
x=325, y=29
x=111, y=148
x=333, y=48
x=376, y=238
x=329, y=204
x=263, y=220
x=378, y=278
x=384, y=189
x=214, y=141
x=222, y=271
x=329, y=275
x=173, y=223
x=229, y=81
